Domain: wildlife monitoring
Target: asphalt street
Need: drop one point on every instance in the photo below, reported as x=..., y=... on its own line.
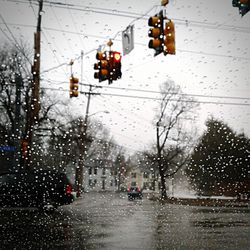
x=110, y=221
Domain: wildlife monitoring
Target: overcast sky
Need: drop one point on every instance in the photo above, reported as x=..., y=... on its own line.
x=212, y=58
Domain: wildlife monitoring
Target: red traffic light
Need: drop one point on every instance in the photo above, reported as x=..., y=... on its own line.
x=117, y=56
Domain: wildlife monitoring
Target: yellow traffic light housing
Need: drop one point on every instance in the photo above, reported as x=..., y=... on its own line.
x=169, y=38
x=156, y=33
x=108, y=67
x=73, y=87
x=164, y=2
x=102, y=66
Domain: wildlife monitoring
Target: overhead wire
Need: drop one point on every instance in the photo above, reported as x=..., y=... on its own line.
x=155, y=98
x=118, y=108
x=55, y=55
x=16, y=43
x=94, y=49
x=191, y=52
x=113, y=109
x=140, y=17
x=60, y=26
x=136, y=15
x=52, y=50
x=154, y=91
x=76, y=29
x=159, y=99
x=132, y=22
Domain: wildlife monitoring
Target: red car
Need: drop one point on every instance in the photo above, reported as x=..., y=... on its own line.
x=134, y=192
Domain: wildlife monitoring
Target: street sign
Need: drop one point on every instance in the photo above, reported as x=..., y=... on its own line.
x=7, y=149
x=128, y=39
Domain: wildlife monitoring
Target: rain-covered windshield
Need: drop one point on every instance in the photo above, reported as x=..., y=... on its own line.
x=124, y=124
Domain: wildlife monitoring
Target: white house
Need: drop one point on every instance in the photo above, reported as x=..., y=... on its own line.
x=141, y=178
x=100, y=176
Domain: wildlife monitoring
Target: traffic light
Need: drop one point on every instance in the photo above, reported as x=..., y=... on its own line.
x=73, y=92
x=109, y=66
x=156, y=33
x=164, y=2
x=169, y=38
x=115, y=66
x=243, y=5
x=102, y=66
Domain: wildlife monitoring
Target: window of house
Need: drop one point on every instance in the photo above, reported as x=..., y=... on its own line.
x=133, y=175
x=103, y=171
x=145, y=185
x=90, y=183
x=133, y=183
x=95, y=170
x=90, y=171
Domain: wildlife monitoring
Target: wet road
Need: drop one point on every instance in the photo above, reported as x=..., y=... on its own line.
x=110, y=221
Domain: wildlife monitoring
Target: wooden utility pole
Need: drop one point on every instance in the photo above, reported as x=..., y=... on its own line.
x=35, y=98
x=17, y=122
x=82, y=144
x=82, y=147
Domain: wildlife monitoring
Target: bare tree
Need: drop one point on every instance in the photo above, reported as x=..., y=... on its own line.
x=171, y=140
x=15, y=101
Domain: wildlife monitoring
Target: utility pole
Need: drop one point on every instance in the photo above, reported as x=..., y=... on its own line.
x=35, y=98
x=82, y=146
x=18, y=81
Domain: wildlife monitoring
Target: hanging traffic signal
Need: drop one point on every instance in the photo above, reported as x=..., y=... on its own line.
x=73, y=86
x=102, y=66
x=164, y=2
x=156, y=33
x=109, y=66
x=243, y=5
x=169, y=38
x=115, y=66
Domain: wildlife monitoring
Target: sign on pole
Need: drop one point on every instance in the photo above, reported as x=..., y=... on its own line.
x=128, y=39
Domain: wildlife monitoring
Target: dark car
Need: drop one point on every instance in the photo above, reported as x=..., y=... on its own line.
x=134, y=192
x=37, y=188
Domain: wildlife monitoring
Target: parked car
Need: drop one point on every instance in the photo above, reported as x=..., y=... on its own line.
x=37, y=188
x=134, y=192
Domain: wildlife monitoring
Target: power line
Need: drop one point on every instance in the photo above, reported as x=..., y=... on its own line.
x=16, y=44
x=55, y=55
x=138, y=16
x=192, y=101
x=141, y=44
x=185, y=51
x=119, y=109
x=156, y=98
x=158, y=92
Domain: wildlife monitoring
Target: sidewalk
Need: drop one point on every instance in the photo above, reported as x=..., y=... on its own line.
x=200, y=201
